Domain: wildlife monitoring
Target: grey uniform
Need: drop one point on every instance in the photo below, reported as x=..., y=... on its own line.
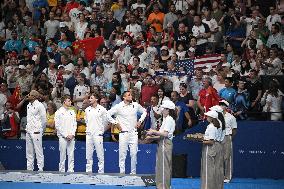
x=227, y=145
x=211, y=162
x=164, y=155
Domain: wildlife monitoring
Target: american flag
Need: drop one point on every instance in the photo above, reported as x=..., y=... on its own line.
x=207, y=60
x=199, y=62
x=188, y=66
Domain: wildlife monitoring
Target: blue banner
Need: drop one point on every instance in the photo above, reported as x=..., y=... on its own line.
x=258, y=152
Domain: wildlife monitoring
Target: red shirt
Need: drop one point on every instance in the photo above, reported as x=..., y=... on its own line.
x=147, y=92
x=69, y=6
x=208, y=97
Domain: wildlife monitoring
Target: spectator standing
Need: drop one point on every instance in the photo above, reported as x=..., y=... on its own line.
x=276, y=37
x=14, y=44
x=148, y=90
x=10, y=118
x=273, y=65
x=50, y=131
x=120, y=11
x=66, y=125
x=156, y=18
x=201, y=31
x=255, y=92
x=228, y=93
x=81, y=91
x=81, y=27
x=208, y=96
x=241, y=102
x=272, y=100
x=272, y=18
x=170, y=17
x=3, y=97
x=51, y=26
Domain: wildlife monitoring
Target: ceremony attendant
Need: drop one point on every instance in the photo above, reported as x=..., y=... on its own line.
x=230, y=131
x=211, y=152
x=164, y=137
x=66, y=125
x=126, y=116
x=36, y=121
x=95, y=115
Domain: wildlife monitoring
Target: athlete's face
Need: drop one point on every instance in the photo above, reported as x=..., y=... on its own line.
x=93, y=100
x=68, y=102
x=128, y=97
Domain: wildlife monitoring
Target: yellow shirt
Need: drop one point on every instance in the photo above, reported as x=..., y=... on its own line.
x=114, y=7
x=81, y=128
x=50, y=120
x=52, y=3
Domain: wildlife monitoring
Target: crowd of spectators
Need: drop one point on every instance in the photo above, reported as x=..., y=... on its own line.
x=141, y=38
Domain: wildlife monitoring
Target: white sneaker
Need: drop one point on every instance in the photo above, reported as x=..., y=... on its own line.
x=227, y=181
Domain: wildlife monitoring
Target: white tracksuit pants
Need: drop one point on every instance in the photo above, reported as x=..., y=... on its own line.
x=125, y=139
x=34, y=146
x=97, y=142
x=64, y=145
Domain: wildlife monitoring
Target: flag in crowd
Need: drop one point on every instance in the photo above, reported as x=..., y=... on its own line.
x=199, y=62
x=15, y=98
x=207, y=60
x=89, y=47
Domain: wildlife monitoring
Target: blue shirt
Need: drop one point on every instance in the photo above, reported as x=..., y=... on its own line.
x=64, y=44
x=12, y=44
x=227, y=94
x=31, y=45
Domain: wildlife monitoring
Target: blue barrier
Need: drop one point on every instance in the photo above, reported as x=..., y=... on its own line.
x=258, y=152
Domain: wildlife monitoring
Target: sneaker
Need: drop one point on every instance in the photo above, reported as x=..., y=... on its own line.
x=227, y=181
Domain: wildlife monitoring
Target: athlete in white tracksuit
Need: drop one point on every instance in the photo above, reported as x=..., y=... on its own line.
x=95, y=115
x=66, y=125
x=126, y=116
x=36, y=121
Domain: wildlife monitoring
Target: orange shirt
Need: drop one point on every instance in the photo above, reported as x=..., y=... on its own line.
x=157, y=25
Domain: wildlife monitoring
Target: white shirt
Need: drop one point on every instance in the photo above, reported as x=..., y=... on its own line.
x=272, y=20
x=126, y=115
x=230, y=122
x=36, y=117
x=3, y=100
x=95, y=117
x=211, y=132
x=154, y=121
x=74, y=15
x=51, y=28
x=213, y=25
x=196, y=31
x=133, y=28
x=79, y=92
x=65, y=122
x=80, y=30
x=109, y=69
x=168, y=125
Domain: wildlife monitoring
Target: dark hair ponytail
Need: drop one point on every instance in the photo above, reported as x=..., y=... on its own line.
x=215, y=122
x=221, y=118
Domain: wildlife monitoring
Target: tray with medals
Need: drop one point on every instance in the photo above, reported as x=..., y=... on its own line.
x=198, y=137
